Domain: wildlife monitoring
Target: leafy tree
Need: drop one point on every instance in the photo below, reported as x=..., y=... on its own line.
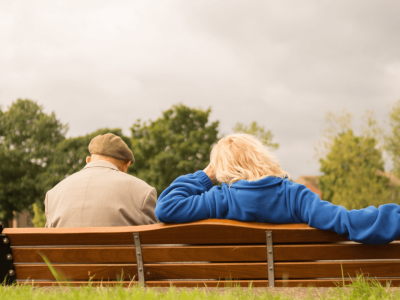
x=334, y=124
x=70, y=157
x=392, y=141
x=337, y=123
x=178, y=143
x=350, y=173
x=39, y=217
x=28, y=137
x=259, y=131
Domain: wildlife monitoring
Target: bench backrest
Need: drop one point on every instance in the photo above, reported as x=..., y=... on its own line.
x=211, y=252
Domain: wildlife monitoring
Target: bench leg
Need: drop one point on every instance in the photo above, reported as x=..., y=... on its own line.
x=139, y=259
x=270, y=260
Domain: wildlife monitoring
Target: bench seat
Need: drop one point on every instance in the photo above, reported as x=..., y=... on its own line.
x=204, y=253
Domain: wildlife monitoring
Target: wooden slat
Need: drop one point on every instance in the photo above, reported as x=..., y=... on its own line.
x=305, y=270
x=205, y=253
x=208, y=253
x=259, y=270
x=197, y=233
x=150, y=254
x=395, y=282
x=76, y=254
x=334, y=269
x=281, y=252
x=76, y=272
x=336, y=252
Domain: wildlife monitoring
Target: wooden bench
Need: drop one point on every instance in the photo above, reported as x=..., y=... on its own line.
x=210, y=252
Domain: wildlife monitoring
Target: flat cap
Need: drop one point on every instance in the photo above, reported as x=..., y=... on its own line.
x=111, y=145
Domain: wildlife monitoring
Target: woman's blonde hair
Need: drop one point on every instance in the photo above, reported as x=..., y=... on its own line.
x=242, y=156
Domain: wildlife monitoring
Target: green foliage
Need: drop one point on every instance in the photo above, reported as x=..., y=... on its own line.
x=27, y=139
x=350, y=177
x=39, y=217
x=363, y=287
x=177, y=143
x=334, y=124
x=392, y=141
x=70, y=157
x=259, y=131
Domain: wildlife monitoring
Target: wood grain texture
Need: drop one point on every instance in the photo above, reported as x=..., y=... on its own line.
x=76, y=254
x=395, y=282
x=232, y=253
x=204, y=232
x=336, y=252
x=301, y=270
x=77, y=272
x=258, y=253
x=304, y=270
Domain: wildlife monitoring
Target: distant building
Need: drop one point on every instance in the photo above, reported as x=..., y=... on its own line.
x=310, y=182
x=20, y=220
x=394, y=183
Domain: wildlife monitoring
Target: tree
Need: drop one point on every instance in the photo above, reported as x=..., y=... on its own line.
x=392, y=141
x=350, y=173
x=334, y=125
x=28, y=137
x=337, y=123
x=39, y=217
x=259, y=131
x=178, y=143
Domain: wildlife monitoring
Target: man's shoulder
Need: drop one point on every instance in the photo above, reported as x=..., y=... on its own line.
x=113, y=177
x=133, y=180
x=67, y=180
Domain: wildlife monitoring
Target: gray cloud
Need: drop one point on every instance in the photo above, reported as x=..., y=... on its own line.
x=281, y=63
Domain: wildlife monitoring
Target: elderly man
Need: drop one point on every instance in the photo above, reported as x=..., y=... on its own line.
x=102, y=194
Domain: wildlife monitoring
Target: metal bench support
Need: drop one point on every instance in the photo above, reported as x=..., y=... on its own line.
x=139, y=259
x=270, y=260
x=7, y=272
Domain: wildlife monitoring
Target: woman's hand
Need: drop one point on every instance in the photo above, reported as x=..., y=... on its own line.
x=210, y=173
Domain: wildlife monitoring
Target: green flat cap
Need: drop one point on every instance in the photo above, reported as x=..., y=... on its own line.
x=111, y=145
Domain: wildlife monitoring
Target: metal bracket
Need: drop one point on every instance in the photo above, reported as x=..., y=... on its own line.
x=139, y=259
x=7, y=272
x=270, y=259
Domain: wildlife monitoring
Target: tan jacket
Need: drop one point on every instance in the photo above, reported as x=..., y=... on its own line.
x=100, y=195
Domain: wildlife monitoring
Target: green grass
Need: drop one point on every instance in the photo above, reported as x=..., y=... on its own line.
x=360, y=288
x=98, y=293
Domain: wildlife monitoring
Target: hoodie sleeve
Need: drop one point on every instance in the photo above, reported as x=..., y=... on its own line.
x=369, y=225
x=190, y=198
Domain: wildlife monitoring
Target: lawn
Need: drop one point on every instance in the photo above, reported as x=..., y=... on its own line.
x=359, y=289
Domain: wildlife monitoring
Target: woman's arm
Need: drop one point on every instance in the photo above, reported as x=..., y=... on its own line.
x=190, y=198
x=369, y=225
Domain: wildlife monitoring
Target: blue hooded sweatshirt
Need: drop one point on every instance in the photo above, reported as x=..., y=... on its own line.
x=192, y=197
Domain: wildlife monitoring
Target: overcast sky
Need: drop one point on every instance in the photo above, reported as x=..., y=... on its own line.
x=281, y=63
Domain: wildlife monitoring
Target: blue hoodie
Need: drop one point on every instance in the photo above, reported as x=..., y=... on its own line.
x=274, y=200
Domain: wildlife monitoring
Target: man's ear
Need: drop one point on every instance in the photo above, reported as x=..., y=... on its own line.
x=88, y=159
x=128, y=163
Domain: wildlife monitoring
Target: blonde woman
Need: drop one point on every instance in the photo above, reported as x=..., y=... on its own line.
x=255, y=189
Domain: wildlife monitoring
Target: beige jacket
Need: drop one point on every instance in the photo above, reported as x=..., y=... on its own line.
x=100, y=195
